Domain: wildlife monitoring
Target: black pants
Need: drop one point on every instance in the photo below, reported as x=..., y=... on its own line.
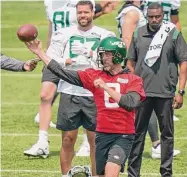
x=153, y=127
x=113, y=148
x=164, y=112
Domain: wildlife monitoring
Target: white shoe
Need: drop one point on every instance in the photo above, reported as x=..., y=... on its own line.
x=52, y=125
x=156, y=152
x=84, y=150
x=175, y=118
x=38, y=150
x=37, y=120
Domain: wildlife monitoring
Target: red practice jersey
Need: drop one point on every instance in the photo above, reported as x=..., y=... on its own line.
x=111, y=118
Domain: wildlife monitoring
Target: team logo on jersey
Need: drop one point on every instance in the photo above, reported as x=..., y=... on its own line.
x=124, y=136
x=123, y=81
x=96, y=34
x=116, y=157
x=71, y=5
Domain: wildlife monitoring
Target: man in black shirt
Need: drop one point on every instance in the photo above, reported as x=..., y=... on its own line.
x=156, y=51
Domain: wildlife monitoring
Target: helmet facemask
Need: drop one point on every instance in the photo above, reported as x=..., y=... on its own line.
x=100, y=55
x=117, y=58
x=79, y=171
x=115, y=46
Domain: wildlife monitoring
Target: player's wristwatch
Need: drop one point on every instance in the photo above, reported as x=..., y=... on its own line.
x=181, y=92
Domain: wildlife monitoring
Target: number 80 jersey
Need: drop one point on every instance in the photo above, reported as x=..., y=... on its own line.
x=61, y=13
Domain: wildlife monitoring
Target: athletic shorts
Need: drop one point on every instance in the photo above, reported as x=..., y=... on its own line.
x=113, y=148
x=75, y=111
x=47, y=75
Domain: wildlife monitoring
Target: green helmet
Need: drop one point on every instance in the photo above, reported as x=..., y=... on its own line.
x=114, y=45
x=79, y=171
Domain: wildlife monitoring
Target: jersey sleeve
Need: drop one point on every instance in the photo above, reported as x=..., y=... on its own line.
x=175, y=4
x=87, y=78
x=57, y=46
x=136, y=85
x=47, y=5
x=180, y=49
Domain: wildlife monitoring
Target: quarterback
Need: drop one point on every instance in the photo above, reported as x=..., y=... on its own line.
x=61, y=15
x=116, y=93
x=75, y=48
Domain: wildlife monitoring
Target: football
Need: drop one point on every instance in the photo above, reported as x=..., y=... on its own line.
x=27, y=33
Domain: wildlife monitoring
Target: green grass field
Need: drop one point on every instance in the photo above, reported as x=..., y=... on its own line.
x=20, y=101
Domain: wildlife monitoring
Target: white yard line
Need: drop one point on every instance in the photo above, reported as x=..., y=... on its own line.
x=5, y=26
x=26, y=134
x=20, y=103
x=20, y=75
x=29, y=134
x=57, y=135
x=29, y=171
x=55, y=172
x=15, y=49
x=158, y=174
x=21, y=0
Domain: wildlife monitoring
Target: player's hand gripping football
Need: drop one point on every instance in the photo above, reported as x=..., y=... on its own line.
x=35, y=46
